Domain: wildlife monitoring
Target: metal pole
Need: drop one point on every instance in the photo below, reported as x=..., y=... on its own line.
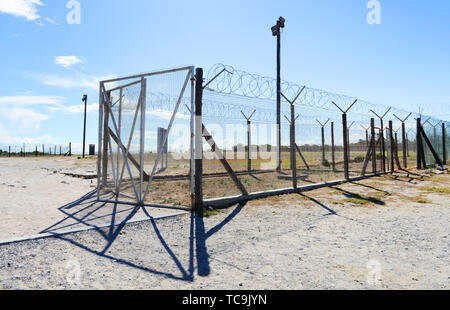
x=142, y=140
x=293, y=154
x=105, y=142
x=192, y=142
x=419, y=154
x=383, y=147
x=372, y=146
x=279, y=102
x=9, y=151
x=249, y=143
x=100, y=134
x=198, y=205
x=391, y=138
x=323, y=146
x=84, y=130
x=444, y=146
x=344, y=128
x=333, y=155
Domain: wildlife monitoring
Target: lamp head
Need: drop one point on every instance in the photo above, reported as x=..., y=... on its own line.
x=281, y=22
x=84, y=98
x=275, y=31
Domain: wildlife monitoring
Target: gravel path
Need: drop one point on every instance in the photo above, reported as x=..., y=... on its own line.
x=37, y=196
x=399, y=239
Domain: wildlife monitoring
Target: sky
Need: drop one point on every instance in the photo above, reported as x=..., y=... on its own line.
x=49, y=60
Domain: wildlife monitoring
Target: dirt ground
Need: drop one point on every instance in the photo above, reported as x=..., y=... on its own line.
x=389, y=232
x=37, y=197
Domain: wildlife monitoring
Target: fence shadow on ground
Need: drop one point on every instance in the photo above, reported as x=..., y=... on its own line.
x=84, y=212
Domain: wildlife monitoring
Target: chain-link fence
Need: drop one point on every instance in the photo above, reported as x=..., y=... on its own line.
x=163, y=146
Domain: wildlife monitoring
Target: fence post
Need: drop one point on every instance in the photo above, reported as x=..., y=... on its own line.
x=198, y=199
x=293, y=153
x=391, y=138
x=323, y=146
x=333, y=155
x=249, y=143
x=344, y=128
x=383, y=147
x=373, y=146
x=418, y=145
x=444, y=146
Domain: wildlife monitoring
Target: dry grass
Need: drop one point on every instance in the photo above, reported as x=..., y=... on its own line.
x=438, y=190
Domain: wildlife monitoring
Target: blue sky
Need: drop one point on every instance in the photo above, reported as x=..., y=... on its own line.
x=327, y=44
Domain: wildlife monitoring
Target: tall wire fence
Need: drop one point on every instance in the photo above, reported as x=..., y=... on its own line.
x=147, y=148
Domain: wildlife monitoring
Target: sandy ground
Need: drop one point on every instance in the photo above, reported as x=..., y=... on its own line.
x=381, y=233
x=37, y=197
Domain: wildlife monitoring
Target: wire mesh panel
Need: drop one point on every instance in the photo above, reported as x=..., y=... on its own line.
x=135, y=164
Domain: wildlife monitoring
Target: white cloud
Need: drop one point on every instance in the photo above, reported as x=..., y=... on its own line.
x=80, y=81
x=9, y=140
x=75, y=108
x=21, y=8
x=31, y=100
x=23, y=120
x=67, y=61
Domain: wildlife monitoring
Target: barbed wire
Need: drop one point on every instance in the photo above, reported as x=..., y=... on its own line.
x=241, y=83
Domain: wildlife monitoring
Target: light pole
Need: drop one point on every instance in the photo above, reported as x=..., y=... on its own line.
x=276, y=32
x=85, y=97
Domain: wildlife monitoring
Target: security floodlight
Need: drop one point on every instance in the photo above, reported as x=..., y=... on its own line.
x=275, y=31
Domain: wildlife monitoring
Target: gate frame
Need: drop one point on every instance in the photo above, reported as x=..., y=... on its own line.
x=104, y=144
